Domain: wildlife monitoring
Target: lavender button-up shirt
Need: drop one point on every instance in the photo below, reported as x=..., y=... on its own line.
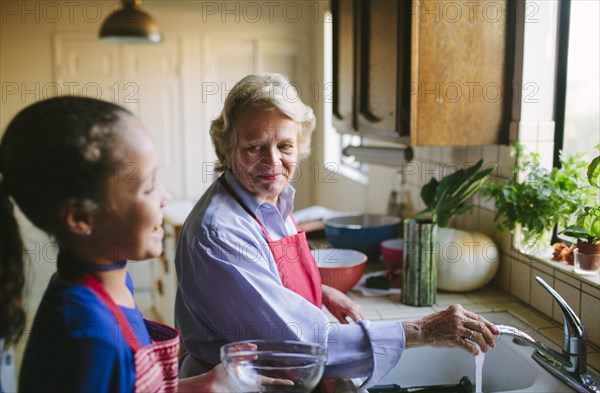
x=230, y=290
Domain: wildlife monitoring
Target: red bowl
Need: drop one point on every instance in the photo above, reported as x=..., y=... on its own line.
x=391, y=252
x=340, y=268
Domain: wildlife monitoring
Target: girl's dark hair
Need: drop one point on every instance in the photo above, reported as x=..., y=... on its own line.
x=12, y=278
x=54, y=150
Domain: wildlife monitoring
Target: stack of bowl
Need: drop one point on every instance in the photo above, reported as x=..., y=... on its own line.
x=363, y=232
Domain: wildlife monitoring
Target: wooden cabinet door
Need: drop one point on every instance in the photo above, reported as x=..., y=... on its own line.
x=344, y=57
x=377, y=65
x=460, y=73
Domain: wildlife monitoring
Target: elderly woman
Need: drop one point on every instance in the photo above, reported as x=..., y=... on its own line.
x=245, y=270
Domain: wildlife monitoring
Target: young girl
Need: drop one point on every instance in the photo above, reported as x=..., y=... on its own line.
x=85, y=172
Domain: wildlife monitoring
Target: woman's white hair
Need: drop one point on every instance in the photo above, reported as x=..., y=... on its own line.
x=260, y=92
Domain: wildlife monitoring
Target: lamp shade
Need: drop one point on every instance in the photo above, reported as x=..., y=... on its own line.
x=130, y=25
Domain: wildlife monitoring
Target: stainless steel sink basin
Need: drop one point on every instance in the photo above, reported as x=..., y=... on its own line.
x=507, y=368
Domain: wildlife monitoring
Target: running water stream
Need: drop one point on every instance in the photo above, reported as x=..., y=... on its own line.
x=479, y=359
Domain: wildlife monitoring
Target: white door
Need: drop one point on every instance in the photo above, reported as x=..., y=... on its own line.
x=144, y=79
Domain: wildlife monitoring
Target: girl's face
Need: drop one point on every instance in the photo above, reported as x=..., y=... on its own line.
x=266, y=153
x=128, y=224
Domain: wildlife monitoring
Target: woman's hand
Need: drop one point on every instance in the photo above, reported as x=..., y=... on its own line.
x=453, y=327
x=341, y=306
x=213, y=381
x=217, y=381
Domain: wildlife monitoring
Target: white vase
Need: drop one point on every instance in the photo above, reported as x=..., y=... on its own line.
x=467, y=260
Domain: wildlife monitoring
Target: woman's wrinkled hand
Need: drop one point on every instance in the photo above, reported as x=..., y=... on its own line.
x=341, y=306
x=454, y=327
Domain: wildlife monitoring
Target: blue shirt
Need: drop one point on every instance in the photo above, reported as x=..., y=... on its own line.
x=230, y=290
x=75, y=344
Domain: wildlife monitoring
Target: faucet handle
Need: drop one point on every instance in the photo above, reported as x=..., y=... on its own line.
x=573, y=331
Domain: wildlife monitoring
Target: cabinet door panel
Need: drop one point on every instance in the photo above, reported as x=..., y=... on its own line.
x=459, y=78
x=344, y=14
x=153, y=74
x=378, y=65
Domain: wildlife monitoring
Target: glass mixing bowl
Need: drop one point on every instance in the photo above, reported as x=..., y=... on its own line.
x=274, y=366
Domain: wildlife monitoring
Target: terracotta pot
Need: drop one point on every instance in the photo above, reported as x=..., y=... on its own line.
x=588, y=248
x=589, y=260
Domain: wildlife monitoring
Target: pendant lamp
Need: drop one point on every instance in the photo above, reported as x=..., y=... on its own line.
x=130, y=25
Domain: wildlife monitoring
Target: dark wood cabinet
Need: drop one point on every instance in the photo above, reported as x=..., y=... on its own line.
x=344, y=50
x=425, y=72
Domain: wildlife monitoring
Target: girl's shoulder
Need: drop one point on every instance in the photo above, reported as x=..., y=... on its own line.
x=76, y=312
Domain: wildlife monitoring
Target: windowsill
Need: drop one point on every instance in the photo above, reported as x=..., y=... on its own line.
x=593, y=279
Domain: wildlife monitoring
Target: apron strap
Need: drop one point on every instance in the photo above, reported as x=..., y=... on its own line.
x=302, y=277
x=71, y=271
x=128, y=334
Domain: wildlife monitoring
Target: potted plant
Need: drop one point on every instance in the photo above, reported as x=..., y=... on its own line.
x=453, y=256
x=449, y=196
x=536, y=199
x=586, y=229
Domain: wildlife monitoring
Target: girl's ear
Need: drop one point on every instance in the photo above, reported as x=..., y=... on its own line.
x=77, y=217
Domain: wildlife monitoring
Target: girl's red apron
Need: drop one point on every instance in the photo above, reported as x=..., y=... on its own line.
x=156, y=365
x=295, y=263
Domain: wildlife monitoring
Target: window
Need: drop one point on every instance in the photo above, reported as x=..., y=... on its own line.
x=578, y=78
x=577, y=105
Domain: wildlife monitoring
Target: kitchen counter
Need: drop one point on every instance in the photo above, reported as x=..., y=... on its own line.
x=485, y=300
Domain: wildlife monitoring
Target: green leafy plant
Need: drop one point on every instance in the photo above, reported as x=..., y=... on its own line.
x=586, y=228
x=449, y=196
x=537, y=198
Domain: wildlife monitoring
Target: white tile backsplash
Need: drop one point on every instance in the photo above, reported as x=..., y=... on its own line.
x=570, y=294
x=539, y=296
x=486, y=223
x=474, y=154
x=594, y=291
x=528, y=131
x=542, y=267
x=546, y=131
x=502, y=277
x=458, y=155
x=546, y=152
x=590, y=316
x=520, y=279
x=506, y=161
x=568, y=279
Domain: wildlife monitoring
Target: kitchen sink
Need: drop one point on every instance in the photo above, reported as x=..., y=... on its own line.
x=507, y=368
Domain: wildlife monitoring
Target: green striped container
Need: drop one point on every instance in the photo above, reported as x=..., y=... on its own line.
x=419, y=263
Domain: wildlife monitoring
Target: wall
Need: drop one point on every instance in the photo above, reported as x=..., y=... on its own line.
x=28, y=30
x=27, y=33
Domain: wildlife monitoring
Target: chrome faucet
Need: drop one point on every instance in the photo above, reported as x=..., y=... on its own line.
x=570, y=366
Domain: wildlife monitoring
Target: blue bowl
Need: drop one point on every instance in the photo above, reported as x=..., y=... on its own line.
x=363, y=233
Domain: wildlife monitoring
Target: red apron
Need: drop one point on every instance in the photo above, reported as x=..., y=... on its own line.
x=295, y=263
x=156, y=365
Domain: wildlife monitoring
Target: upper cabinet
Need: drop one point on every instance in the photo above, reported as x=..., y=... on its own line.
x=425, y=72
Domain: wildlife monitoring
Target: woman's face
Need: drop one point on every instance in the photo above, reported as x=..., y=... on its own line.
x=266, y=153
x=129, y=222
